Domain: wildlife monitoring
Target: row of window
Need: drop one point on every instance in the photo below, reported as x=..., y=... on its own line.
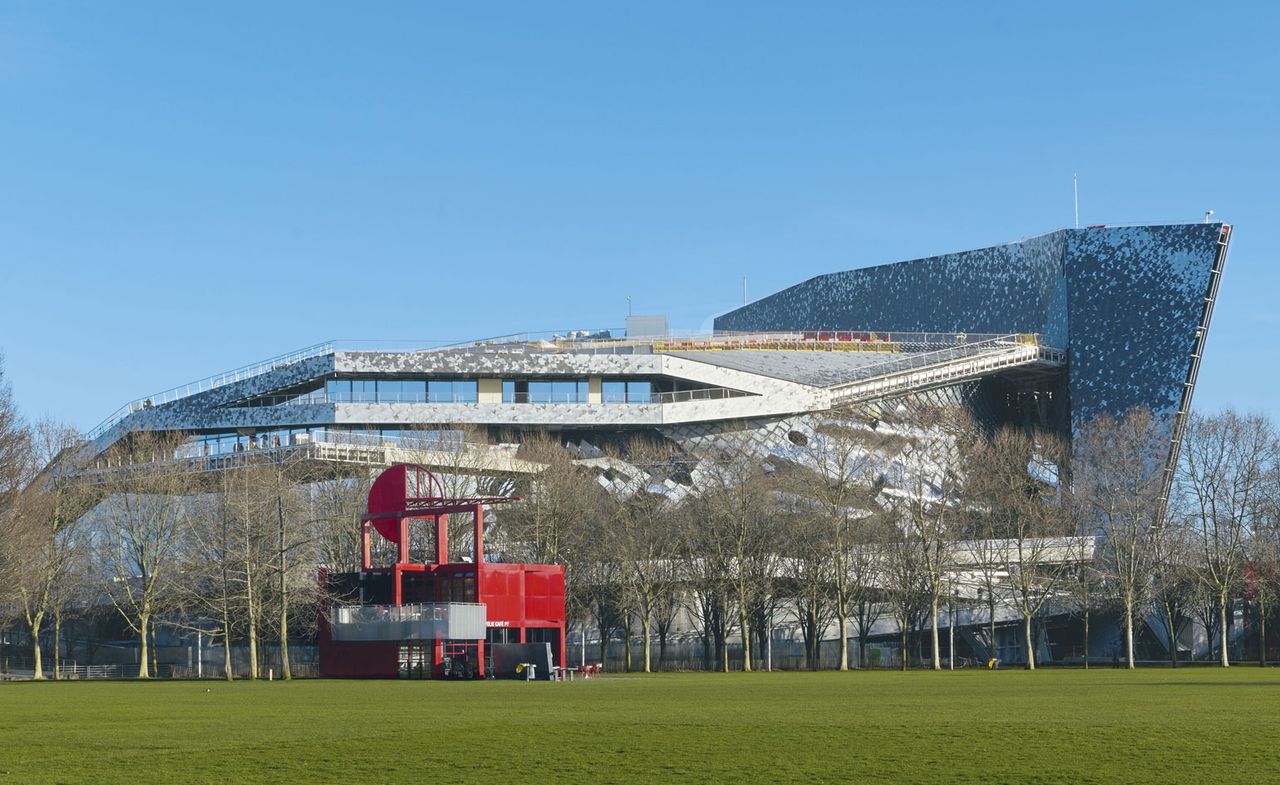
x=228, y=443
x=401, y=391
x=462, y=391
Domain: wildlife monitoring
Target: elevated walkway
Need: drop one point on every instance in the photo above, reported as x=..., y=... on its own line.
x=912, y=373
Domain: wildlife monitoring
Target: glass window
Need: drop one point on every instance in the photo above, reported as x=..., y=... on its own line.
x=439, y=391
x=559, y=392
x=540, y=392
x=613, y=392
x=508, y=391
x=389, y=390
x=414, y=391
x=639, y=392
x=364, y=390
x=565, y=392
x=466, y=391
x=338, y=390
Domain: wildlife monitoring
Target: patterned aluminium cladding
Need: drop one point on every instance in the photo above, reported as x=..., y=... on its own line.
x=1126, y=302
x=820, y=369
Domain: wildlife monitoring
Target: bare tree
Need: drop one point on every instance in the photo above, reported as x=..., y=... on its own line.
x=556, y=505
x=865, y=576
x=1084, y=588
x=807, y=565
x=1225, y=459
x=141, y=523
x=837, y=474
x=16, y=470
x=211, y=588
x=643, y=536
x=1014, y=478
x=929, y=507
x=338, y=499
x=907, y=586
x=1118, y=467
x=52, y=505
x=739, y=537
x=1174, y=576
x=707, y=577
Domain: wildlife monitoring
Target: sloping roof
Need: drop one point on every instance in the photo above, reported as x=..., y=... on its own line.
x=817, y=369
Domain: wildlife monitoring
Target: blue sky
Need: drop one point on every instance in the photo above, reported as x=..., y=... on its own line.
x=187, y=188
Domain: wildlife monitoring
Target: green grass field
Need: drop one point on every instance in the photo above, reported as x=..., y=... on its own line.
x=1102, y=726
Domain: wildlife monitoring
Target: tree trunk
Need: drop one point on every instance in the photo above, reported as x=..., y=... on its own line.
x=902, y=625
x=34, y=628
x=144, y=658
x=844, y=639
x=746, y=639
x=1086, y=634
x=57, y=642
x=1173, y=636
x=155, y=652
x=991, y=625
x=933, y=623
x=1031, y=646
x=253, y=624
x=626, y=637
x=1262, y=631
x=646, y=626
x=285, y=671
x=229, y=671
x=1222, y=624
x=1128, y=633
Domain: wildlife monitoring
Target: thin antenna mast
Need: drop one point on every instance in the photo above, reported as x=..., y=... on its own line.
x=1075, y=182
x=744, y=290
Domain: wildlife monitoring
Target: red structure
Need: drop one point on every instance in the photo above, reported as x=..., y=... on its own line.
x=419, y=619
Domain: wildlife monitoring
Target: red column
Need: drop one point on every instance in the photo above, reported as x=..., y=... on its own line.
x=366, y=558
x=403, y=557
x=477, y=554
x=442, y=539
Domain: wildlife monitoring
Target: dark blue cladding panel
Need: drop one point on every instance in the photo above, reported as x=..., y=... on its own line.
x=1135, y=300
x=1126, y=302
x=1007, y=288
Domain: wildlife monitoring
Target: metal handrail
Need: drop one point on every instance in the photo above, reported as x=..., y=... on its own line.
x=210, y=383
x=914, y=361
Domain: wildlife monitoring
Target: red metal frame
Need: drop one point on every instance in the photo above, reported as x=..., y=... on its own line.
x=522, y=597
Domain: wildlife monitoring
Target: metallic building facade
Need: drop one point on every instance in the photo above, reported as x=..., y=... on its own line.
x=1130, y=305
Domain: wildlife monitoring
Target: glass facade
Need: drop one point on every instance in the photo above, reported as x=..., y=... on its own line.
x=576, y=391
x=347, y=390
x=617, y=391
x=397, y=391
x=213, y=444
x=463, y=391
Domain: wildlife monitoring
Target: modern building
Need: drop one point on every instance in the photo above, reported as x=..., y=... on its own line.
x=1051, y=331
x=1055, y=329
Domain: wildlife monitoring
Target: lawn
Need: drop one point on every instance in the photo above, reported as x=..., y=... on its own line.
x=1059, y=726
